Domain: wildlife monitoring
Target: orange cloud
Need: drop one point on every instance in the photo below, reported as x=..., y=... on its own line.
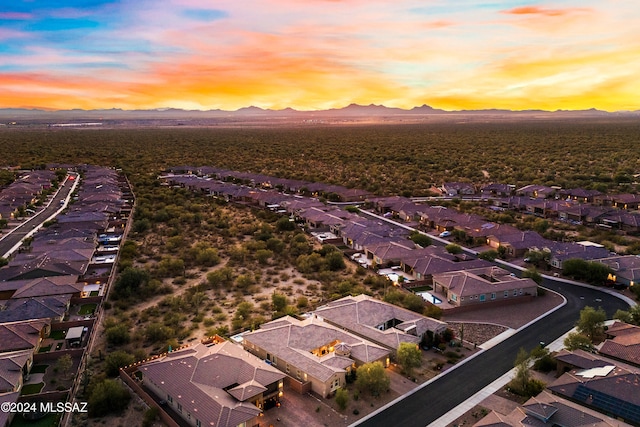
x=535, y=10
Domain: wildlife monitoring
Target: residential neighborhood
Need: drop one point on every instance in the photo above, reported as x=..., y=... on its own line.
x=53, y=286
x=53, y=289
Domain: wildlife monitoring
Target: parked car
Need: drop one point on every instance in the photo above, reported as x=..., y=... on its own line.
x=444, y=234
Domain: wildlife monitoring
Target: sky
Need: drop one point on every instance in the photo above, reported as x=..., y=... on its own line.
x=320, y=54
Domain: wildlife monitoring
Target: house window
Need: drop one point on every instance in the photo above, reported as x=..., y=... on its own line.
x=198, y=423
x=493, y=295
x=482, y=297
x=506, y=294
x=298, y=374
x=287, y=368
x=179, y=408
x=454, y=297
x=521, y=291
x=515, y=292
x=169, y=398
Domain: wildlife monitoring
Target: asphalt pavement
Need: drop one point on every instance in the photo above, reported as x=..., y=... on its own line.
x=434, y=400
x=11, y=239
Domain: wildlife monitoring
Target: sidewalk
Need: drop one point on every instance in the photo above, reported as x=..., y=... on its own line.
x=477, y=398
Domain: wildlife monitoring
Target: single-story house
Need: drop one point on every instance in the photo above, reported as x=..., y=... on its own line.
x=377, y=321
x=482, y=285
x=312, y=351
x=609, y=389
x=622, y=343
x=217, y=384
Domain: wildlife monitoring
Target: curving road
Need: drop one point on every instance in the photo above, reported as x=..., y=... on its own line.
x=431, y=402
x=11, y=239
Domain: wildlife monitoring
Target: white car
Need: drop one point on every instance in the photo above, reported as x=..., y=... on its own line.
x=444, y=234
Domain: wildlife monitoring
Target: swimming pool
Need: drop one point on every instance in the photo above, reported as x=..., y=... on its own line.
x=428, y=297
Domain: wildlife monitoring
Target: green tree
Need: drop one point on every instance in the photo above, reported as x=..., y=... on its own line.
x=312, y=263
x=452, y=248
x=335, y=261
x=130, y=281
x=413, y=302
x=221, y=277
x=263, y=256
x=489, y=255
x=275, y=245
x=278, y=301
x=6, y=177
x=592, y=272
x=420, y=239
x=575, y=341
x=207, y=257
x=171, y=267
x=156, y=332
x=575, y=267
x=64, y=364
x=141, y=225
x=631, y=316
x=117, y=334
x=116, y=360
x=373, y=378
x=108, y=397
x=591, y=322
x=299, y=246
x=283, y=224
x=409, y=356
x=532, y=274
x=537, y=257
x=522, y=383
x=342, y=398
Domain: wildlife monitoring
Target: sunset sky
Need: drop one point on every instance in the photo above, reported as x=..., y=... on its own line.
x=318, y=54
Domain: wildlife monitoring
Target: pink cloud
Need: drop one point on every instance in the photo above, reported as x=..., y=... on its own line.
x=536, y=10
x=15, y=15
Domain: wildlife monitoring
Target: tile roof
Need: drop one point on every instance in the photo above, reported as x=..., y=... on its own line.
x=615, y=391
x=476, y=281
x=21, y=335
x=625, y=344
x=43, y=265
x=11, y=365
x=50, y=307
x=293, y=340
x=546, y=410
x=11, y=397
x=627, y=266
x=46, y=286
x=363, y=315
x=581, y=359
x=213, y=383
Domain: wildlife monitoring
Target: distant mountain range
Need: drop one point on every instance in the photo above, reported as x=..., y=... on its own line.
x=353, y=111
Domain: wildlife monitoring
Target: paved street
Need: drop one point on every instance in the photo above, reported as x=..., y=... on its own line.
x=15, y=236
x=432, y=401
